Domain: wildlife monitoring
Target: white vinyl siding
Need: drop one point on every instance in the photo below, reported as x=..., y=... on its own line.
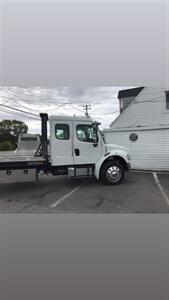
x=147, y=116
x=149, y=152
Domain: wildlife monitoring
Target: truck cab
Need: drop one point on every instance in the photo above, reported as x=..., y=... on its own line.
x=78, y=148
x=74, y=147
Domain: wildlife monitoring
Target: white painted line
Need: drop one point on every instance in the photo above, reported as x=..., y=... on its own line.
x=160, y=187
x=149, y=172
x=64, y=197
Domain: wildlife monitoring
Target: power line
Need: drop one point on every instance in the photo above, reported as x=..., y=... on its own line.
x=35, y=115
x=93, y=113
x=18, y=114
x=76, y=108
x=37, y=101
x=57, y=107
x=14, y=113
x=16, y=109
x=5, y=102
x=48, y=102
x=107, y=114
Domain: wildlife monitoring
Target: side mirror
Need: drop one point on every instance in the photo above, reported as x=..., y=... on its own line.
x=95, y=134
x=95, y=142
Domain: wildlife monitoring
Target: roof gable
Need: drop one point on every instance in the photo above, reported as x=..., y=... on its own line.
x=129, y=92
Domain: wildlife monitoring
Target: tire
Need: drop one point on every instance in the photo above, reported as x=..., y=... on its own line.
x=112, y=173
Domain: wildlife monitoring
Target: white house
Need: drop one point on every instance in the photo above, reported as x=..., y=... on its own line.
x=143, y=127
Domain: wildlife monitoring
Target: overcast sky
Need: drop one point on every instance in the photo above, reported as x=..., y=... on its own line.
x=58, y=101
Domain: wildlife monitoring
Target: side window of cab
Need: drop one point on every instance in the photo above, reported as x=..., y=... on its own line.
x=62, y=132
x=85, y=133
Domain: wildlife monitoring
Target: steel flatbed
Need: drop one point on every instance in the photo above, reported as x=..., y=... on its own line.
x=12, y=160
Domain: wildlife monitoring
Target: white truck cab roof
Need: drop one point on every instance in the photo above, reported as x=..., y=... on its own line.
x=71, y=118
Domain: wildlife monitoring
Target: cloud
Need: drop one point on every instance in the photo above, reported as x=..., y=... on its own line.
x=58, y=101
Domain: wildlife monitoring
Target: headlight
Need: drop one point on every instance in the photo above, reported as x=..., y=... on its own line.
x=128, y=157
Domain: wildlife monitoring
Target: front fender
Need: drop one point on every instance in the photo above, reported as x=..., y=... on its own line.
x=101, y=161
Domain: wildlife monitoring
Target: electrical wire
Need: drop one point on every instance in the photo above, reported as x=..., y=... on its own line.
x=68, y=101
x=43, y=103
x=94, y=113
x=16, y=109
x=107, y=114
x=52, y=102
x=14, y=113
x=76, y=108
x=26, y=112
x=35, y=101
x=153, y=100
x=6, y=101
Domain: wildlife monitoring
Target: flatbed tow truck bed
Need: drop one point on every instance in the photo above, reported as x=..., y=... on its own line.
x=19, y=166
x=17, y=160
x=23, y=157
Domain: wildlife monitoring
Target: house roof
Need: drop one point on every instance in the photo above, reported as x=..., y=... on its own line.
x=130, y=92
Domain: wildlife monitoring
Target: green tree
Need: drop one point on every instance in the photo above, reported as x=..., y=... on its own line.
x=9, y=133
x=6, y=146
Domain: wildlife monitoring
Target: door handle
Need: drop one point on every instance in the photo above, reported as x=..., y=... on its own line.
x=77, y=151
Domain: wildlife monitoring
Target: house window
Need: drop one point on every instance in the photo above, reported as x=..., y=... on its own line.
x=167, y=99
x=62, y=132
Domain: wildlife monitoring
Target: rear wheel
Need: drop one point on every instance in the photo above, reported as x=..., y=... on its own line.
x=112, y=172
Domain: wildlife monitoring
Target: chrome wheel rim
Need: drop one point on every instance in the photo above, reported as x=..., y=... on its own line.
x=114, y=174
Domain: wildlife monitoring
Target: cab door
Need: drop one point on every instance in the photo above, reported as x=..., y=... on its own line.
x=84, y=151
x=61, y=142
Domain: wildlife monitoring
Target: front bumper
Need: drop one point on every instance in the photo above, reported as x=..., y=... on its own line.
x=128, y=166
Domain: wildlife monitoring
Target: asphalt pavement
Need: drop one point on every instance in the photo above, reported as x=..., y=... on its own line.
x=139, y=193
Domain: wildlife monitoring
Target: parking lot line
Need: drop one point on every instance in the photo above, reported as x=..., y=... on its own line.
x=160, y=187
x=148, y=172
x=64, y=197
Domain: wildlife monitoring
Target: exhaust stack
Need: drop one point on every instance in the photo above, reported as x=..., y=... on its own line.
x=44, y=141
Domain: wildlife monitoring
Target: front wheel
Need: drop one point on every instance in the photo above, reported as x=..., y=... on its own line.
x=112, y=172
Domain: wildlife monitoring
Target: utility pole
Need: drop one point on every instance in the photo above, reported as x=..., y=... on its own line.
x=86, y=108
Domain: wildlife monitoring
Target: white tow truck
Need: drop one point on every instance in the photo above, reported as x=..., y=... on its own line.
x=75, y=148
